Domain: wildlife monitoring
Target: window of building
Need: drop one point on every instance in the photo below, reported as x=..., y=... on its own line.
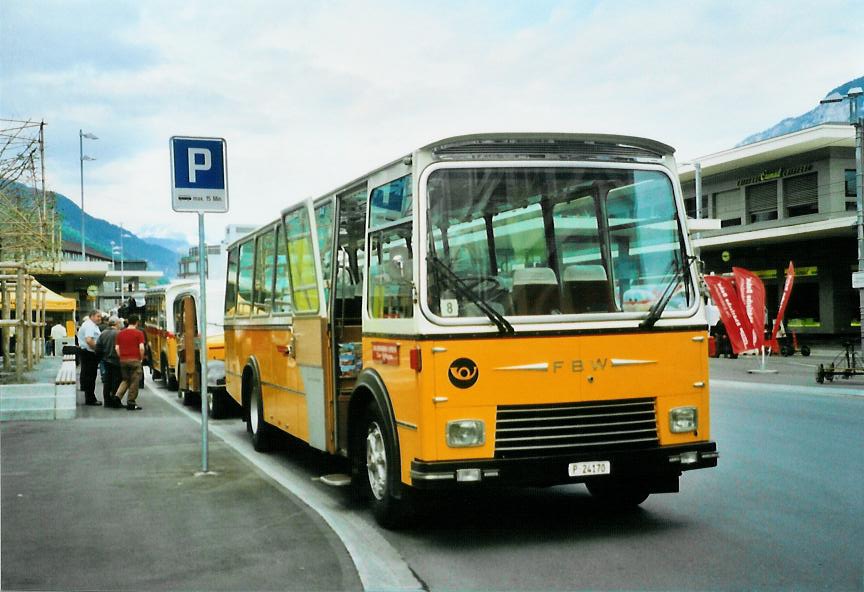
x=728, y=207
x=761, y=202
x=690, y=206
x=801, y=195
x=850, y=190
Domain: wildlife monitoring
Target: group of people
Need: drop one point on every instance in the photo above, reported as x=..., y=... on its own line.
x=120, y=351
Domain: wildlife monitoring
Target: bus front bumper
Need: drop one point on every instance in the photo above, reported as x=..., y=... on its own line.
x=659, y=466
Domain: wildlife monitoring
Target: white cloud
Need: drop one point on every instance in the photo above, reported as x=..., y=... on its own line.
x=310, y=96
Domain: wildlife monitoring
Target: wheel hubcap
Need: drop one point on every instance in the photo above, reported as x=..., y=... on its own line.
x=376, y=461
x=253, y=412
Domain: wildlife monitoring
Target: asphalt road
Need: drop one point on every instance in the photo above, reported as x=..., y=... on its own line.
x=784, y=510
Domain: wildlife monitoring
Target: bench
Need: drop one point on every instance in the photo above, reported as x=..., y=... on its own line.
x=64, y=389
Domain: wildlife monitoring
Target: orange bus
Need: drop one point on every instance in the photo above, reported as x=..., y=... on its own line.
x=488, y=309
x=161, y=331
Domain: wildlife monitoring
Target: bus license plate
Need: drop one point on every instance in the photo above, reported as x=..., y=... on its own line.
x=583, y=469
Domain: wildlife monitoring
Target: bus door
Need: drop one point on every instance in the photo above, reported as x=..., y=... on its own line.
x=344, y=292
x=307, y=344
x=187, y=352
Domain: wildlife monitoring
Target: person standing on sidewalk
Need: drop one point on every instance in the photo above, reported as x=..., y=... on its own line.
x=108, y=356
x=130, y=350
x=88, y=333
x=58, y=332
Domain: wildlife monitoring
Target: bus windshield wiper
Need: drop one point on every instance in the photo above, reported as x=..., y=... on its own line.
x=660, y=304
x=458, y=284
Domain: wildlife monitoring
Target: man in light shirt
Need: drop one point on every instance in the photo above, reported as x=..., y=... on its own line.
x=58, y=332
x=88, y=333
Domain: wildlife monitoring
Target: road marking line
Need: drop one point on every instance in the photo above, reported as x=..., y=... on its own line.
x=378, y=563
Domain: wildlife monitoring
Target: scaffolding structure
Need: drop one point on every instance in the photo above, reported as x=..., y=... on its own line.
x=22, y=317
x=29, y=229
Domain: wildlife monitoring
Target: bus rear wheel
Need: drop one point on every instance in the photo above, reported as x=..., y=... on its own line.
x=374, y=475
x=259, y=430
x=617, y=493
x=219, y=403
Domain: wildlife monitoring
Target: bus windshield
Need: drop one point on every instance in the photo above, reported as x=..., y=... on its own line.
x=551, y=241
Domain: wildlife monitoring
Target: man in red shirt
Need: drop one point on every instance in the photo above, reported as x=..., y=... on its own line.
x=130, y=350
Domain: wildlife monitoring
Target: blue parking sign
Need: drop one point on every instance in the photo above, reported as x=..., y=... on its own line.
x=199, y=179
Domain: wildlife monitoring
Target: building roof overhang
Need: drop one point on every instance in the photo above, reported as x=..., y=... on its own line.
x=806, y=140
x=838, y=226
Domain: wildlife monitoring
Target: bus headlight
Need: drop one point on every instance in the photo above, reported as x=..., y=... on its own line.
x=683, y=419
x=465, y=433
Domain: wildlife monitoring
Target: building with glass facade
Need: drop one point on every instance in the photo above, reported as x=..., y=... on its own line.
x=789, y=198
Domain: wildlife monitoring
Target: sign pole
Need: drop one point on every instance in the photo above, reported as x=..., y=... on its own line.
x=202, y=336
x=199, y=183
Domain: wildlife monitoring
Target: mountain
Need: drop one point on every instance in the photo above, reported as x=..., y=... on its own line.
x=178, y=244
x=828, y=113
x=100, y=233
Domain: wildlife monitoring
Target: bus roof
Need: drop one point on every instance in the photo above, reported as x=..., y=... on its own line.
x=513, y=143
x=527, y=144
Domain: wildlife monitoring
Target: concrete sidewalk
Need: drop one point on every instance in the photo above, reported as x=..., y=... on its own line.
x=109, y=501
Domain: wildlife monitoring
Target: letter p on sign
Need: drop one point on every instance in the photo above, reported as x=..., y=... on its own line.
x=205, y=165
x=199, y=179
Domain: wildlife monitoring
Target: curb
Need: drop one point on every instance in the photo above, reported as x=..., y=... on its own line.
x=379, y=565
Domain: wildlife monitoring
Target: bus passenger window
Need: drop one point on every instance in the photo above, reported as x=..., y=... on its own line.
x=391, y=276
x=281, y=288
x=231, y=283
x=324, y=224
x=244, y=281
x=264, y=268
x=301, y=261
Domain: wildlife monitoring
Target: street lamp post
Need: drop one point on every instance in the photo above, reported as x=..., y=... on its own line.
x=82, y=157
x=122, y=254
x=853, y=95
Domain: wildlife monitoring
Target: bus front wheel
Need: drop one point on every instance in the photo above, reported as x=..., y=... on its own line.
x=259, y=430
x=615, y=493
x=374, y=473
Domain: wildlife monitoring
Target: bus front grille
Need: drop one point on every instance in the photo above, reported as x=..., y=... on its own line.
x=540, y=430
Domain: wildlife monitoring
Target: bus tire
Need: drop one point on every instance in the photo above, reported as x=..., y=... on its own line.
x=191, y=398
x=259, y=430
x=163, y=370
x=376, y=481
x=219, y=404
x=805, y=351
x=617, y=494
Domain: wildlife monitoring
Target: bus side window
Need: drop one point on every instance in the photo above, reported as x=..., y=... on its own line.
x=231, y=283
x=391, y=274
x=324, y=224
x=264, y=268
x=301, y=261
x=244, y=280
x=282, y=287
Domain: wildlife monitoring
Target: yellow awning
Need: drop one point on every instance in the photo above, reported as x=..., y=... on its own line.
x=54, y=302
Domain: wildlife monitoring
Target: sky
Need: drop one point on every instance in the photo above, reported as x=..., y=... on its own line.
x=310, y=95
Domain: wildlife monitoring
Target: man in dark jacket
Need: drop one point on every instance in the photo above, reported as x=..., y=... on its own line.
x=108, y=355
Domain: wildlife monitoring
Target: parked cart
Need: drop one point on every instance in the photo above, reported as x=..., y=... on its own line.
x=846, y=365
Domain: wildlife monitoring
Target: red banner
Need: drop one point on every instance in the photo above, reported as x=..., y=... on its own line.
x=787, y=291
x=751, y=291
x=732, y=312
